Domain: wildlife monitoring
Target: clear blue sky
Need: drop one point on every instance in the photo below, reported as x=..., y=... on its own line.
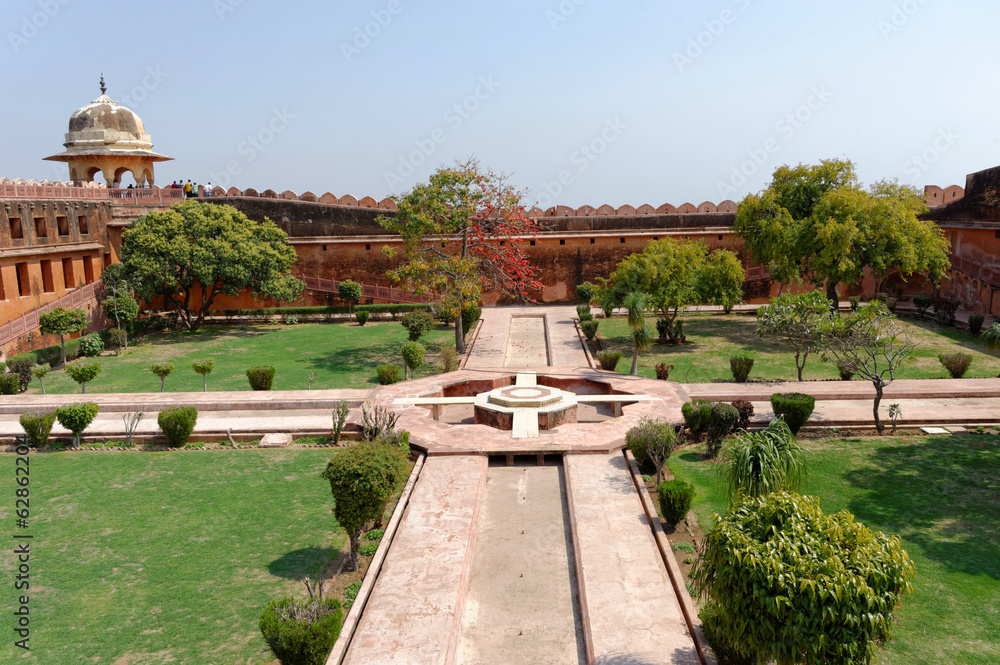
x=625, y=102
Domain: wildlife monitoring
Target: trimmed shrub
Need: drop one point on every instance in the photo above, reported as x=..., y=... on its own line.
x=349, y=291
x=589, y=328
x=976, y=324
x=663, y=371
x=204, y=367
x=663, y=329
x=676, y=497
x=745, y=411
x=37, y=425
x=449, y=359
x=162, y=370
x=413, y=355
x=260, y=378
x=118, y=338
x=584, y=313
x=21, y=367
x=957, y=364
x=722, y=420
x=362, y=317
x=609, y=359
x=794, y=408
x=845, y=372
x=586, y=292
x=82, y=372
x=388, y=373
x=922, y=303
x=10, y=384
x=177, y=423
x=855, y=301
x=302, y=633
x=91, y=345
x=944, y=310
x=696, y=414
x=470, y=316
x=740, y=367
x=417, y=323
x=39, y=372
x=76, y=418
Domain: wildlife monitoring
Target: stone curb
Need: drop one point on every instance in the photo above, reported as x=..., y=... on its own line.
x=588, y=635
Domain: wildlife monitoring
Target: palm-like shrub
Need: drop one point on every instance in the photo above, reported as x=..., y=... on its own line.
x=635, y=306
x=758, y=463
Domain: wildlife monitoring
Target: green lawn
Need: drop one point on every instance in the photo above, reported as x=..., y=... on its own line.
x=165, y=557
x=941, y=495
x=341, y=355
x=712, y=340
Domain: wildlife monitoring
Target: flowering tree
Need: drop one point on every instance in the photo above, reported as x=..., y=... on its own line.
x=463, y=235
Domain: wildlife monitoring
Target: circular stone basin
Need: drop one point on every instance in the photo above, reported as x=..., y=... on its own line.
x=552, y=406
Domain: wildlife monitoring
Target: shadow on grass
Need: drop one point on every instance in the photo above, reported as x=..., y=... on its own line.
x=942, y=495
x=297, y=564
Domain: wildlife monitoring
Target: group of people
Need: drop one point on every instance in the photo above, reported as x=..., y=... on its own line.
x=191, y=189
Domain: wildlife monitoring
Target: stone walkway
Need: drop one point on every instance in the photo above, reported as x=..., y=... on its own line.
x=491, y=348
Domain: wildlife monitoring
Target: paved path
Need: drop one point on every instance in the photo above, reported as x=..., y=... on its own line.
x=631, y=612
x=414, y=612
x=491, y=348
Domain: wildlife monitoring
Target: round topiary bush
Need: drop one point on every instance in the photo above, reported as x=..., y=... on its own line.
x=362, y=317
x=76, y=418
x=696, y=416
x=260, y=378
x=177, y=423
x=583, y=313
x=82, y=372
x=589, y=328
x=302, y=633
x=37, y=425
x=795, y=408
x=388, y=373
x=586, y=292
x=413, y=355
x=957, y=364
x=91, y=345
x=676, y=497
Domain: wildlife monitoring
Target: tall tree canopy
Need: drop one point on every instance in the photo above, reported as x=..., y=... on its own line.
x=193, y=252
x=817, y=222
x=463, y=234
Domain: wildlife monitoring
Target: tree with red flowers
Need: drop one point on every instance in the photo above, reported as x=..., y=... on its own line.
x=463, y=235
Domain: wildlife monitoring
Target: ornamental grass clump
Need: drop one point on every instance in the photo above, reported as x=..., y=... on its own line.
x=177, y=423
x=302, y=633
x=76, y=418
x=957, y=364
x=794, y=408
x=260, y=378
x=37, y=425
x=758, y=463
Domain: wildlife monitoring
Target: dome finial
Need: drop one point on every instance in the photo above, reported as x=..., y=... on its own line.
x=104, y=88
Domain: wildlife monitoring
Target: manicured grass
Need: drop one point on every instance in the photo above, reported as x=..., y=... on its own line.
x=341, y=355
x=165, y=557
x=941, y=496
x=712, y=340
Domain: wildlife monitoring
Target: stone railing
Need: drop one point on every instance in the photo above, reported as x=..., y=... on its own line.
x=51, y=191
x=141, y=197
x=373, y=291
x=985, y=273
x=29, y=321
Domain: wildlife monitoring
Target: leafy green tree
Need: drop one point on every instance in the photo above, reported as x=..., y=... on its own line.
x=720, y=280
x=413, y=355
x=463, y=234
x=119, y=306
x=651, y=443
x=667, y=272
x=362, y=479
x=758, y=463
x=792, y=585
x=817, y=222
x=194, y=252
x=61, y=321
x=871, y=343
x=635, y=307
x=797, y=317
x=350, y=292
x=417, y=323
x=82, y=372
x=203, y=367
